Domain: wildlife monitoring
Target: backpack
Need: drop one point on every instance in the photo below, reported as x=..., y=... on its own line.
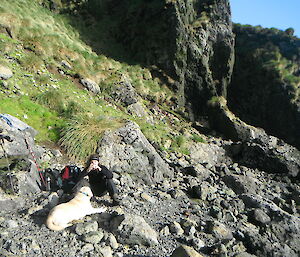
x=69, y=175
x=64, y=179
x=53, y=179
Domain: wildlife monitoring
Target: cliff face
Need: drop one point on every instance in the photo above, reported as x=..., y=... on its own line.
x=203, y=59
x=192, y=41
x=265, y=84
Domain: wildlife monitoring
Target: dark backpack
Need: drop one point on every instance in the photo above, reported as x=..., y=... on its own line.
x=64, y=179
x=69, y=175
x=52, y=179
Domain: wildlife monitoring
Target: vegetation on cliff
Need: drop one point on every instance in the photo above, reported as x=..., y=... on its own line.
x=265, y=88
x=50, y=52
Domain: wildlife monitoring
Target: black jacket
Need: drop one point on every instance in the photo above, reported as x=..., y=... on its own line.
x=97, y=176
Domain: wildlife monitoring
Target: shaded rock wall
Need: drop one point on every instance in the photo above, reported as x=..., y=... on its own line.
x=265, y=83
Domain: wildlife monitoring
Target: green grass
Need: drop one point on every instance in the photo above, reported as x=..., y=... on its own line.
x=198, y=138
x=46, y=122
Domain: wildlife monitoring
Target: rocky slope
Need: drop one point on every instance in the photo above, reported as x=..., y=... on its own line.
x=208, y=202
x=232, y=195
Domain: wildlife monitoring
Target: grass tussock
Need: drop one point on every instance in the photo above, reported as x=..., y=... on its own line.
x=81, y=136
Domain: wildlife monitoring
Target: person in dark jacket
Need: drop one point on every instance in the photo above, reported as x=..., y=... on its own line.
x=98, y=178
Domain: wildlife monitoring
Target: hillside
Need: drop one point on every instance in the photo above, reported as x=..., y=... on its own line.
x=197, y=118
x=50, y=63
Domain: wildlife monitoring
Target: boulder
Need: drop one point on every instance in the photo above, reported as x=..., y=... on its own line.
x=86, y=227
x=127, y=150
x=242, y=184
x=125, y=93
x=23, y=180
x=282, y=229
x=219, y=230
x=256, y=149
x=185, y=251
x=5, y=72
x=90, y=85
x=21, y=136
x=9, y=203
x=132, y=229
x=207, y=155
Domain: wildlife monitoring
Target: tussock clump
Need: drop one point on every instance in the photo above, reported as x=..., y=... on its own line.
x=81, y=135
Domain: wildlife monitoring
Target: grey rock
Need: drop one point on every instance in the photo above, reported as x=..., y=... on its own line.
x=207, y=155
x=129, y=150
x=283, y=228
x=126, y=94
x=86, y=227
x=242, y=184
x=219, y=230
x=147, y=197
x=104, y=251
x=165, y=231
x=260, y=217
x=133, y=229
x=202, y=191
x=93, y=237
x=90, y=85
x=87, y=248
x=176, y=229
x=138, y=110
x=112, y=241
x=18, y=131
x=5, y=85
x=257, y=149
x=66, y=64
x=10, y=203
x=10, y=224
x=5, y=72
x=198, y=244
x=185, y=251
x=24, y=182
x=244, y=254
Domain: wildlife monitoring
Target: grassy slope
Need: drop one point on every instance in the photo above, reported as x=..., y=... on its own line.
x=52, y=102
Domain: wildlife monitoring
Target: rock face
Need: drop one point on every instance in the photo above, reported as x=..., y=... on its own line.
x=266, y=75
x=192, y=41
x=128, y=151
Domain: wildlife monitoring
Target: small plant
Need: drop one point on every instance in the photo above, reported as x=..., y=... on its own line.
x=43, y=79
x=180, y=140
x=198, y=139
x=52, y=99
x=72, y=109
x=31, y=62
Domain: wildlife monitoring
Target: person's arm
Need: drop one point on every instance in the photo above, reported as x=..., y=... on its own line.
x=106, y=172
x=83, y=174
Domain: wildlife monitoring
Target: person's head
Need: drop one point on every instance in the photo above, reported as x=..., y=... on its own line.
x=94, y=159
